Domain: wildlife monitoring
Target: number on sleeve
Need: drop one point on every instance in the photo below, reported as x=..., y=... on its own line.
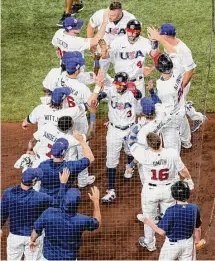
x=163, y=174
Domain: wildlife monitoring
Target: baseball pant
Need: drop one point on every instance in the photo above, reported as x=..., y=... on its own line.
x=115, y=140
x=181, y=250
x=151, y=196
x=19, y=245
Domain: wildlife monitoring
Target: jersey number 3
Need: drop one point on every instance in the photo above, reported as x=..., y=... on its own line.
x=162, y=174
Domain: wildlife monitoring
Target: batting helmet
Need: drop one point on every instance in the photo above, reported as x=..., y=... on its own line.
x=164, y=64
x=65, y=123
x=180, y=191
x=133, y=26
x=121, y=79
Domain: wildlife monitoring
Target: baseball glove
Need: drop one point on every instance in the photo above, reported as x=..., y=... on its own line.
x=103, y=48
x=201, y=243
x=24, y=162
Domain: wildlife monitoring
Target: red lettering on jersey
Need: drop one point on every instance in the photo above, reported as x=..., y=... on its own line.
x=48, y=154
x=129, y=114
x=163, y=174
x=70, y=101
x=61, y=53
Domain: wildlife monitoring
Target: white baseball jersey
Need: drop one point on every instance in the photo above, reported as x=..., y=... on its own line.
x=112, y=30
x=129, y=58
x=47, y=136
x=44, y=114
x=68, y=43
x=121, y=107
x=158, y=167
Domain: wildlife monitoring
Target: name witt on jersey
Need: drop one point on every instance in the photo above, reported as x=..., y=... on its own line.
x=49, y=136
x=120, y=105
x=51, y=118
x=130, y=55
x=159, y=162
x=60, y=42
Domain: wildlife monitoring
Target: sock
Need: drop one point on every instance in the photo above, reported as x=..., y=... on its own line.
x=130, y=158
x=111, y=177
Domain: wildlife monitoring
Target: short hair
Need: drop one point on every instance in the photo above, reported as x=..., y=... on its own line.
x=65, y=123
x=153, y=141
x=115, y=5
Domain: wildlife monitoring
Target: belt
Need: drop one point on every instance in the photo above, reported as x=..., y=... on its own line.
x=176, y=240
x=121, y=128
x=155, y=185
x=136, y=79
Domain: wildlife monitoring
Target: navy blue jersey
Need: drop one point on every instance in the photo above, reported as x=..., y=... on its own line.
x=63, y=233
x=23, y=207
x=50, y=182
x=180, y=221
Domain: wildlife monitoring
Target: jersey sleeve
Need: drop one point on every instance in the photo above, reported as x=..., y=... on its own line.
x=39, y=224
x=4, y=208
x=96, y=19
x=34, y=116
x=92, y=224
x=138, y=152
x=81, y=44
x=166, y=222
x=77, y=166
x=198, y=217
x=54, y=40
x=187, y=59
x=179, y=165
x=148, y=46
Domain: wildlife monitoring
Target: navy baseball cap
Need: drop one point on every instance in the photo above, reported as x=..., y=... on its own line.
x=31, y=175
x=59, y=94
x=60, y=147
x=71, y=55
x=148, y=106
x=71, y=23
x=72, y=65
x=168, y=29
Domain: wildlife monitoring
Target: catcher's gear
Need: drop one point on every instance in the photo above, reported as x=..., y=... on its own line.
x=133, y=26
x=120, y=81
x=164, y=64
x=180, y=191
x=25, y=162
x=131, y=86
x=103, y=48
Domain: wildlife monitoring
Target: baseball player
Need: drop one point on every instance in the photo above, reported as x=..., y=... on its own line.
x=181, y=225
x=67, y=39
x=23, y=205
x=50, y=180
x=122, y=115
x=186, y=66
x=160, y=169
x=115, y=28
x=128, y=53
x=64, y=227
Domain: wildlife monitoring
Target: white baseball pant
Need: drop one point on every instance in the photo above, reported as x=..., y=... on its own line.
x=181, y=250
x=19, y=245
x=151, y=196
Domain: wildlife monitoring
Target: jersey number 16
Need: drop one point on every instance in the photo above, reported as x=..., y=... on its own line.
x=162, y=174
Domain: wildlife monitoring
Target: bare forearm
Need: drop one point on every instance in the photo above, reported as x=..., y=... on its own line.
x=96, y=212
x=187, y=77
x=197, y=235
x=34, y=236
x=168, y=47
x=90, y=31
x=155, y=228
x=185, y=173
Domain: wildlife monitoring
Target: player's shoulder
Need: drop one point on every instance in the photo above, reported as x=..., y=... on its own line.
x=171, y=152
x=181, y=46
x=144, y=40
x=59, y=31
x=55, y=71
x=128, y=15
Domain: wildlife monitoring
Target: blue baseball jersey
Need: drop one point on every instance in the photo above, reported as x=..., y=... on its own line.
x=50, y=182
x=63, y=233
x=180, y=221
x=23, y=207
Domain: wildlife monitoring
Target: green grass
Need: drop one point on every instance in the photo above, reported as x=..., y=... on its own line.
x=27, y=53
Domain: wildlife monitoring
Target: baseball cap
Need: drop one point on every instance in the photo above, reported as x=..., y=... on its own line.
x=59, y=94
x=168, y=29
x=71, y=23
x=60, y=147
x=73, y=55
x=72, y=65
x=31, y=175
x=148, y=106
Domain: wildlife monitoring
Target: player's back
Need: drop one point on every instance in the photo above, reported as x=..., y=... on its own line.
x=53, y=79
x=161, y=167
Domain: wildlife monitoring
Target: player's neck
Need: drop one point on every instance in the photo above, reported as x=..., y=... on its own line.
x=159, y=150
x=174, y=41
x=24, y=187
x=181, y=202
x=72, y=76
x=166, y=77
x=57, y=160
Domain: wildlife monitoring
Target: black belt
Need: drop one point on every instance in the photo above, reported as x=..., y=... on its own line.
x=121, y=128
x=175, y=240
x=136, y=79
x=154, y=185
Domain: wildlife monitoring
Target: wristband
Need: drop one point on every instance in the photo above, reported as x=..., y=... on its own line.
x=97, y=89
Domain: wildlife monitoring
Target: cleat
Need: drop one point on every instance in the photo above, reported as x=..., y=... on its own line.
x=110, y=196
x=128, y=172
x=76, y=8
x=186, y=145
x=90, y=180
x=143, y=244
x=197, y=124
x=64, y=16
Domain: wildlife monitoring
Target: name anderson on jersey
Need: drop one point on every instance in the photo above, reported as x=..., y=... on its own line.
x=49, y=136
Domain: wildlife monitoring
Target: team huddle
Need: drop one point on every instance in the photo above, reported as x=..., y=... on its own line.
x=44, y=223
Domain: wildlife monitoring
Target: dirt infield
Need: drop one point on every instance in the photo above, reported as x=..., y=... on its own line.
x=117, y=239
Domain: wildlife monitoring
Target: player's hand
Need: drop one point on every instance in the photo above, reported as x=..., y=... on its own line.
x=64, y=176
x=100, y=78
x=150, y=85
x=78, y=136
x=95, y=196
x=33, y=246
x=25, y=125
x=153, y=33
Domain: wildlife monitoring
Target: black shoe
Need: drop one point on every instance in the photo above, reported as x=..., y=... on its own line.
x=64, y=16
x=76, y=8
